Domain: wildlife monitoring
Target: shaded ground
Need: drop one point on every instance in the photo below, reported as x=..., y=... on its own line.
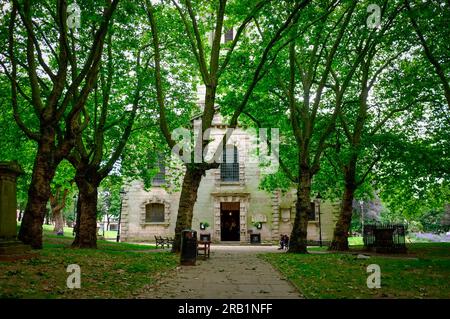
x=111, y=271
x=231, y=272
x=140, y=271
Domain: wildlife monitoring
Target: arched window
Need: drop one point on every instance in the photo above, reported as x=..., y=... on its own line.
x=229, y=169
x=154, y=213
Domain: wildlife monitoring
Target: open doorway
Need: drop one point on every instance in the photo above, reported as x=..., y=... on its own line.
x=229, y=221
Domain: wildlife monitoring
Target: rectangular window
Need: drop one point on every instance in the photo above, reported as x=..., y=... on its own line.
x=160, y=178
x=154, y=213
x=229, y=169
x=229, y=35
x=312, y=212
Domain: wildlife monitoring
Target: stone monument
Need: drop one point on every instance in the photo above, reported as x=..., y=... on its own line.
x=10, y=247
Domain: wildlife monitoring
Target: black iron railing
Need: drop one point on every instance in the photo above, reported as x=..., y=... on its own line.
x=385, y=237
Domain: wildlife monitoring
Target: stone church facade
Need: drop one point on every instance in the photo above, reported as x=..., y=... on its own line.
x=229, y=200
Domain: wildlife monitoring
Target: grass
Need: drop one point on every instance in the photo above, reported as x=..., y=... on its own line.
x=358, y=240
x=68, y=231
x=352, y=241
x=114, y=270
x=338, y=275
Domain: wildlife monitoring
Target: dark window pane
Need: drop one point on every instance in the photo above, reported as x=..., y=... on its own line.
x=312, y=212
x=229, y=169
x=154, y=213
x=160, y=177
x=229, y=36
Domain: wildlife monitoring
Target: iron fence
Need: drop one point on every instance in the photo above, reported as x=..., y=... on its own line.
x=385, y=237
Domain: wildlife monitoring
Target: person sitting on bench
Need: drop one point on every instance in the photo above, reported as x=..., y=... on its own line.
x=284, y=242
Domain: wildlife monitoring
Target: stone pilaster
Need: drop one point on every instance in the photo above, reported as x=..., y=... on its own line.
x=275, y=214
x=10, y=247
x=8, y=201
x=124, y=219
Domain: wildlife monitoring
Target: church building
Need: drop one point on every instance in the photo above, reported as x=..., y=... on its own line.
x=230, y=202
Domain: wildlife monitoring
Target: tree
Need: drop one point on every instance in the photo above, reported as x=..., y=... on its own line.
x=57, y=204
x=61, y=189
x=309, y=129
x=96, y=150
x=210, y=74
x=359, y=134
x=436, y=54
x=56, y=105
x=109, y=198
x=15, y=146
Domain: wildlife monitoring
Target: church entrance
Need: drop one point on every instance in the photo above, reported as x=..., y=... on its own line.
x=229, y=221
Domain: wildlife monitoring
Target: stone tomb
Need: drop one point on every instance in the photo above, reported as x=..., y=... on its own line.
x=10, y=247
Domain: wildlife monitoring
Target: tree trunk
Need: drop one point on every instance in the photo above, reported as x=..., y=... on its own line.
x=86, y=227
x=47, y=217
x=342, y=228
x=38, y=193
x=298, y=240
x=188, y=197
x=59, y=221
x=57, y=204
x=77, y=219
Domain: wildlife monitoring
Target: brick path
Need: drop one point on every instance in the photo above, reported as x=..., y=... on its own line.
x=231, y=272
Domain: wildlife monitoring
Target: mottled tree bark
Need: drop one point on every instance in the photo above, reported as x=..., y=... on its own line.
x=86, y=228
x=298, y=242
x=342, y=228
x=39, y=192
x=58, y=219
x=57, y=204
x=50, y=101
x=188, y=197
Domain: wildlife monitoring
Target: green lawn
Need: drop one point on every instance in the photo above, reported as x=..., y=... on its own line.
x=358, y=241
x=114, y=270
x=68, y=231
x=338, y=275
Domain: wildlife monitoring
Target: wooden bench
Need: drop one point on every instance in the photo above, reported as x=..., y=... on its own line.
x=169, y=241
x=160, y=241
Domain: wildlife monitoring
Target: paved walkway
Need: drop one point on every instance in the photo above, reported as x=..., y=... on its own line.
x=230, y=272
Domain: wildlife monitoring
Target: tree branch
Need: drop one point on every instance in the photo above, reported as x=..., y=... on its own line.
x=239, y=31
x=292, y=19
x=283, y=166
x=13, y=79
x=429, y=54
x=163, y=124
x=196, y=49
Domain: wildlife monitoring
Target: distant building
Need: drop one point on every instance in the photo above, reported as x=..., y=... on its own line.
x=229, y=200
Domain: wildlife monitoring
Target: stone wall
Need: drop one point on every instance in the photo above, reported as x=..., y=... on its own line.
x=275, y=210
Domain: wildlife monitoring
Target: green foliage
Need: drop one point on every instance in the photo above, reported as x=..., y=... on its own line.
x=403, y=152
x=428, y=221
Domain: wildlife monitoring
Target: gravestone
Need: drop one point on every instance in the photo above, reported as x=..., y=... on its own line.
x=10, y=247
